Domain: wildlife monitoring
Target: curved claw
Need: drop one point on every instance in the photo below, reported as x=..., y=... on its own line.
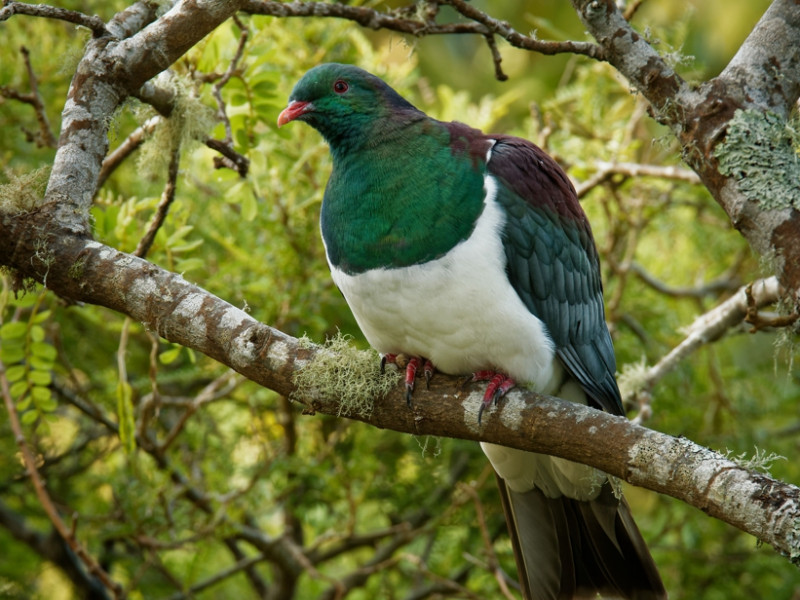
x=411, y=368
x=428, y=370
x=499, y=385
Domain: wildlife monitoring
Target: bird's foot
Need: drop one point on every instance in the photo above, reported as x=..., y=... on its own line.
x=412, y=365
x=499, y=384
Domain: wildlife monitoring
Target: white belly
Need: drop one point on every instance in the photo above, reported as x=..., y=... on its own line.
x=460, y=311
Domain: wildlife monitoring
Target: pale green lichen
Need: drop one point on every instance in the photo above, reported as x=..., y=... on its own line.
x=633, y=379
x=339, y=370
x=760, y=151
x=760, y=462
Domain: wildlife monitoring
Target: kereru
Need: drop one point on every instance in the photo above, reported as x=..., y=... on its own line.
x=470, y=253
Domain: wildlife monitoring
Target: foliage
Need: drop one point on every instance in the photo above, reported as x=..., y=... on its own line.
x=161, y=454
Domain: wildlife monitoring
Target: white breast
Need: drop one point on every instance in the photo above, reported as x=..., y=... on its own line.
x=460, y=311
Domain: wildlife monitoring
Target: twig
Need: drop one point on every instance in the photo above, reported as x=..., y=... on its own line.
x=234, y=569
x=167, y=196
x=221, y=386
x=481, y=24
x=631, y=9
x=711, y=326
x=515, y=38
x=233, y=67
x=607, y=169
x=230, y=159
x=496, y=58
x=493, y=562
x=44, y=499
x=721, y=284
x=34, y=98
x=93, y=23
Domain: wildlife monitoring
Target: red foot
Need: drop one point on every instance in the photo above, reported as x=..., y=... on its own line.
x=411, y=371
x=499, y=384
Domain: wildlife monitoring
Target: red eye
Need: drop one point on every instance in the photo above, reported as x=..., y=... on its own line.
x=340, y=87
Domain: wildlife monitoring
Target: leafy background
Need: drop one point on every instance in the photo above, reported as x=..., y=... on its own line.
x=86, y=380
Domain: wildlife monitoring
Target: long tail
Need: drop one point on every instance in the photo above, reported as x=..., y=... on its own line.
x=570, y=549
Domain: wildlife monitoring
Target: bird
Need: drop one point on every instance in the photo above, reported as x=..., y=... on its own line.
x=470, y=254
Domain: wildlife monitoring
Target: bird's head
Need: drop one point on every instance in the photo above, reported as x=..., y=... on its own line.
x=342, y=101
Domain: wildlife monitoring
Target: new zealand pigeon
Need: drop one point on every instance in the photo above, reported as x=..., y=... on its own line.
x=470, y=253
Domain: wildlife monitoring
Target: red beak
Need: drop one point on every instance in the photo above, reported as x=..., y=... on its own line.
x=294, y=110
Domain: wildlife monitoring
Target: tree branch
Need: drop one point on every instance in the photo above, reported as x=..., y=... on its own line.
x=93, y=23
x=709, y=327
x=185, y=314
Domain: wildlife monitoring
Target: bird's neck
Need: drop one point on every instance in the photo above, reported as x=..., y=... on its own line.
x=403, y=197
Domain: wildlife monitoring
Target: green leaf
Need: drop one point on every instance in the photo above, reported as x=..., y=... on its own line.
x=19, y=388
x=40, y=364
x=37, y=333
x=43, y=399
x=24, y=403
x=249, y=206
x=11, y=354
x=29, y=417
x=41, y=394
x=125, y=416
x=178, y=235
x=43, y=350
x=169, y=356
x=14, y=329
x=40, y=377
x=15, y=373
x=42, y=316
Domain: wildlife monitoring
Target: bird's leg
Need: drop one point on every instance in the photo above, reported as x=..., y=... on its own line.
x=412, y=366
x=499, y=384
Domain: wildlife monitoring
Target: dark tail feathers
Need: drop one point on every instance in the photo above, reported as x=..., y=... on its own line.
x=568, y=549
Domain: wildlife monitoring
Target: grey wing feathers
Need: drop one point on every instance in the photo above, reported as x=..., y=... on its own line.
x=553, y=264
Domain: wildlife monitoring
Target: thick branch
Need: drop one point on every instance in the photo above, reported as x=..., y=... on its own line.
x=186, y=314
x=106, y=75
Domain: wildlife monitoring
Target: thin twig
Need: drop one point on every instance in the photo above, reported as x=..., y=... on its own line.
x=515, y=38
x=493, y=562
x=232, y=69
x=496, y=58
x=34, y=98
x=93, y=22
x=710, y=327
x=167, y=196
x=480, y=24
x=605, y=170
x=721, y=284
x=211, y=392
x=631, y=9
x=234, y=569
x=230, y=159
x=46, y=134
x=44, y=499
